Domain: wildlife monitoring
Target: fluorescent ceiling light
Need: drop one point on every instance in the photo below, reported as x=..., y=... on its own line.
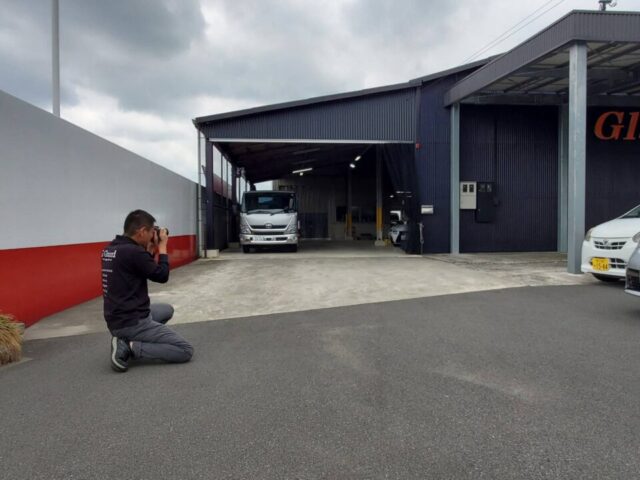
x=352, y=165
x=302, y=170
x=306, y=150
x=358, y=157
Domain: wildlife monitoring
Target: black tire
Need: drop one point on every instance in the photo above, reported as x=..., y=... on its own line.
x=246, y=248
x=293, y=248
x=606, y=278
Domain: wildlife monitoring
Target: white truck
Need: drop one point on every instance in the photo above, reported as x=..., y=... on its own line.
x=268, y=219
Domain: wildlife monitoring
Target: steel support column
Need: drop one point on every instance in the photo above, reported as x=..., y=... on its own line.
x=455, y=179
x=349, y=217
x=208, y=172
x=379, y=240
x=577, y=154
x=563, y=175
x=199, y=201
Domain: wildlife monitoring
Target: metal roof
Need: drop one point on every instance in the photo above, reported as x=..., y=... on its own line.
x=536, y=71
x=199, y=121
x=325, y=133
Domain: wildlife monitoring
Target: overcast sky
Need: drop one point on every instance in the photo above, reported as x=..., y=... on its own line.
x=137, y=71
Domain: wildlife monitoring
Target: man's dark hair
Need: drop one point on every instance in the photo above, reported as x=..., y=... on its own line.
x=137, y=219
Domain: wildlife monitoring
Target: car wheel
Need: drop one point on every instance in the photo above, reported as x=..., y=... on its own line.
x=605, y=278
x=246, y=248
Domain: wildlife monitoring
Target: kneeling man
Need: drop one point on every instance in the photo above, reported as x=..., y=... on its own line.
x=138, y=328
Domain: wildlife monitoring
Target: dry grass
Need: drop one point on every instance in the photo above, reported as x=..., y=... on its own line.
x=10, y=340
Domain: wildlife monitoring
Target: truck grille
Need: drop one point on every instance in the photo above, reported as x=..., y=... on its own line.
x=272, y=227
x=609, y=245
x=633, y=279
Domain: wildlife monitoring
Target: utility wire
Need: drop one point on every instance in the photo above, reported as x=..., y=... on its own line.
x=518, y=26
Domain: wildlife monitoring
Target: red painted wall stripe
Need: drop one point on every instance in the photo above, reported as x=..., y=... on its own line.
x=36, y=282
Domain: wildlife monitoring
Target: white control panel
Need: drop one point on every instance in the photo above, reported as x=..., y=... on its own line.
x=468, y=199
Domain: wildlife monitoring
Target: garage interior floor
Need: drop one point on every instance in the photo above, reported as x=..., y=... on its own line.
x=320, y=275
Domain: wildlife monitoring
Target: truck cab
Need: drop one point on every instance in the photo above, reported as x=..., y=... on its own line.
x=269, y=219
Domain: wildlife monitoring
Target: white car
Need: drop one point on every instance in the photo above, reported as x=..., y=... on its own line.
x=607, y=247
x=398, y=233
x=632, y=284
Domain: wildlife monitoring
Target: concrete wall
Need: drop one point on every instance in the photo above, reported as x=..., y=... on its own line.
x=64, y=192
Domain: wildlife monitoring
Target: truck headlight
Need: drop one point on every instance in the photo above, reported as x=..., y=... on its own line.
x=292, y=228
x=244, y=229
x=636, y=238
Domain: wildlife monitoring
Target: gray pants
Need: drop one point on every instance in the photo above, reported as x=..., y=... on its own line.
x=152, y=339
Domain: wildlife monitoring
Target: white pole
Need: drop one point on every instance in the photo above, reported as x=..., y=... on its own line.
x=55, y=56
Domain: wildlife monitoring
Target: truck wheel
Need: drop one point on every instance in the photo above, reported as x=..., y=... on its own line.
x=605, y=278
x=246, y=248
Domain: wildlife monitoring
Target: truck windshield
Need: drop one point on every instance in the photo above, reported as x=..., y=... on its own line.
x=268, y=203
x=635, y=213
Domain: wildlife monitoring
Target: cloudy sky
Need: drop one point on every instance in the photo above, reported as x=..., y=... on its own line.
x=137, y=71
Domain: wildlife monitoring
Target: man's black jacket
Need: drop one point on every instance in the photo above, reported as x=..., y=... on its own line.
x=126, y=266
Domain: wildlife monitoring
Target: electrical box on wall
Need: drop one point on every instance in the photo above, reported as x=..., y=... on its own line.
x=468, y=199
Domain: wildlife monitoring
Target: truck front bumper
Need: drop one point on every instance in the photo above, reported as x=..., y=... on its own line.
x=269, y=239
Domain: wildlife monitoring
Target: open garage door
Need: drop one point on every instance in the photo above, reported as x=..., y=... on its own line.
x=345, y=191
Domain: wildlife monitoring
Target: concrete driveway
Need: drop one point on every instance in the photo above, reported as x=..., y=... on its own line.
x=321, y=275
x=533, y=382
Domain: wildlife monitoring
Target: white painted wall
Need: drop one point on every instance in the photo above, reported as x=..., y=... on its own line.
x=61, y=185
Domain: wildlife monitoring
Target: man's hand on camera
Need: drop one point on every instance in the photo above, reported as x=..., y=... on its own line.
x=153, y=244
x=163, y=241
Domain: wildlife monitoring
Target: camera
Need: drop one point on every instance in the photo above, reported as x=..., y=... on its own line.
x=157, y=230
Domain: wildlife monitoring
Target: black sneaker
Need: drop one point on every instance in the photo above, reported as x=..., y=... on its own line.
x=120, y=353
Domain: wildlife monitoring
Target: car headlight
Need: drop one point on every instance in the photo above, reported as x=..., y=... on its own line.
x=636, y=238
x=587, y=237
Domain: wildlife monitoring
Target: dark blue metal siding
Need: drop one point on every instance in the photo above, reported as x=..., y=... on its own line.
x=433, y=163
x=387, y=116
x=613, y=173
x=516, y=147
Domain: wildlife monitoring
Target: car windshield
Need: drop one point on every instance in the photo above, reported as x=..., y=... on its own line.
x=635, y=213
x=269, y=203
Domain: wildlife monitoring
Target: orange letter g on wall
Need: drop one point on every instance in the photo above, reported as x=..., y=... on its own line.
x=614, y=127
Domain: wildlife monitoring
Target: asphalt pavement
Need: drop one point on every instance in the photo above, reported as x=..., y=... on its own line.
x=538, y=382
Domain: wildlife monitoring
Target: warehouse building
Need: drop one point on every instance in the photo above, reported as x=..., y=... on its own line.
x=520, y=152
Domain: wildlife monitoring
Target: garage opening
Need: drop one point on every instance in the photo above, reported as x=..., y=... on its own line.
x=344, y=191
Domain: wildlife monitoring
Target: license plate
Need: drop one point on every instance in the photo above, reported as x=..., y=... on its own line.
x=600, y=264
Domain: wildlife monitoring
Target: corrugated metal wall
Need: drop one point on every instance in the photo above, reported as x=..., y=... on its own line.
x=517, y=148
x=386, y=116
x=433, y=163
x=613, y=172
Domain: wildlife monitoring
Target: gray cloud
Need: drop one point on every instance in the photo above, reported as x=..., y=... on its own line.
x=408, y=23
x=164, y=62
x=141, y=27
